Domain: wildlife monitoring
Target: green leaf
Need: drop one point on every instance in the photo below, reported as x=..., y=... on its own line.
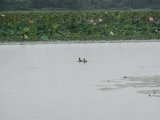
x=31, y=36
x=44, y=38
x=25, y=37
x=64, y=32
x=25, y=30
x=97, y=35
x=75, y=36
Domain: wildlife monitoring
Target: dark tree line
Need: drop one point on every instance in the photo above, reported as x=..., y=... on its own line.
x=78, y=4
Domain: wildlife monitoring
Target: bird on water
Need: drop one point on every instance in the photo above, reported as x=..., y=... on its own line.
x=79, y=60
x=84, y=60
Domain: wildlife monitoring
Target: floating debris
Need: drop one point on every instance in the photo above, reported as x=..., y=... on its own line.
x=136, y=82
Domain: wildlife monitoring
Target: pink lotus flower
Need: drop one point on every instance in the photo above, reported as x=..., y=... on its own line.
x=100, y=20
x=94, y=24
x=151, y=19
x=30, y=22
x=91, y=21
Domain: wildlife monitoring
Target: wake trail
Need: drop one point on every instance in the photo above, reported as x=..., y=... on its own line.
x=45, y=66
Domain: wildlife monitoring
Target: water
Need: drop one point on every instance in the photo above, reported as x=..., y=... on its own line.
x=45, y=81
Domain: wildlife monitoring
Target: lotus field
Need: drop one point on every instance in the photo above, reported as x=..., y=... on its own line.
x=105, y=25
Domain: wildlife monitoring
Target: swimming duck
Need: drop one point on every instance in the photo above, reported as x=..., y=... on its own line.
x=79, y=60
x=84, y=60
x=125, y=77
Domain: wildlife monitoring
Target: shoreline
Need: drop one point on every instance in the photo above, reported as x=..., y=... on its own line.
x=75, y=42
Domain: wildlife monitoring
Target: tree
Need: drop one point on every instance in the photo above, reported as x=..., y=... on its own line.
x=2, y=4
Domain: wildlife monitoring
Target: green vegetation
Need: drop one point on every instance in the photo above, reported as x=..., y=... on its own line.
x=104, y=25
x=9, y=5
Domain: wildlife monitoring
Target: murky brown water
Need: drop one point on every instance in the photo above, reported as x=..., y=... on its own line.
x=45, y=81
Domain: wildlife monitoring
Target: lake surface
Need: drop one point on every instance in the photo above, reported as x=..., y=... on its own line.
x=45, y=81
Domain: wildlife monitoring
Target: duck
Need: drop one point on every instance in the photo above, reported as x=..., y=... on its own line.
x=125, y=77
x=84, y=60
x=79, y=60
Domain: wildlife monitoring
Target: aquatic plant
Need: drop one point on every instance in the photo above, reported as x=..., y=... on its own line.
x=79, y=25
x=100, y=20
x=151, y=19
x=30, y=22
x=111, y=33
x=91, y=21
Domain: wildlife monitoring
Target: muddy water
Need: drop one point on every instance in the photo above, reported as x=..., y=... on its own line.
x=45, y=81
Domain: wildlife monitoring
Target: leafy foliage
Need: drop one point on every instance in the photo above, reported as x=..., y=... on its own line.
x=80, y=25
